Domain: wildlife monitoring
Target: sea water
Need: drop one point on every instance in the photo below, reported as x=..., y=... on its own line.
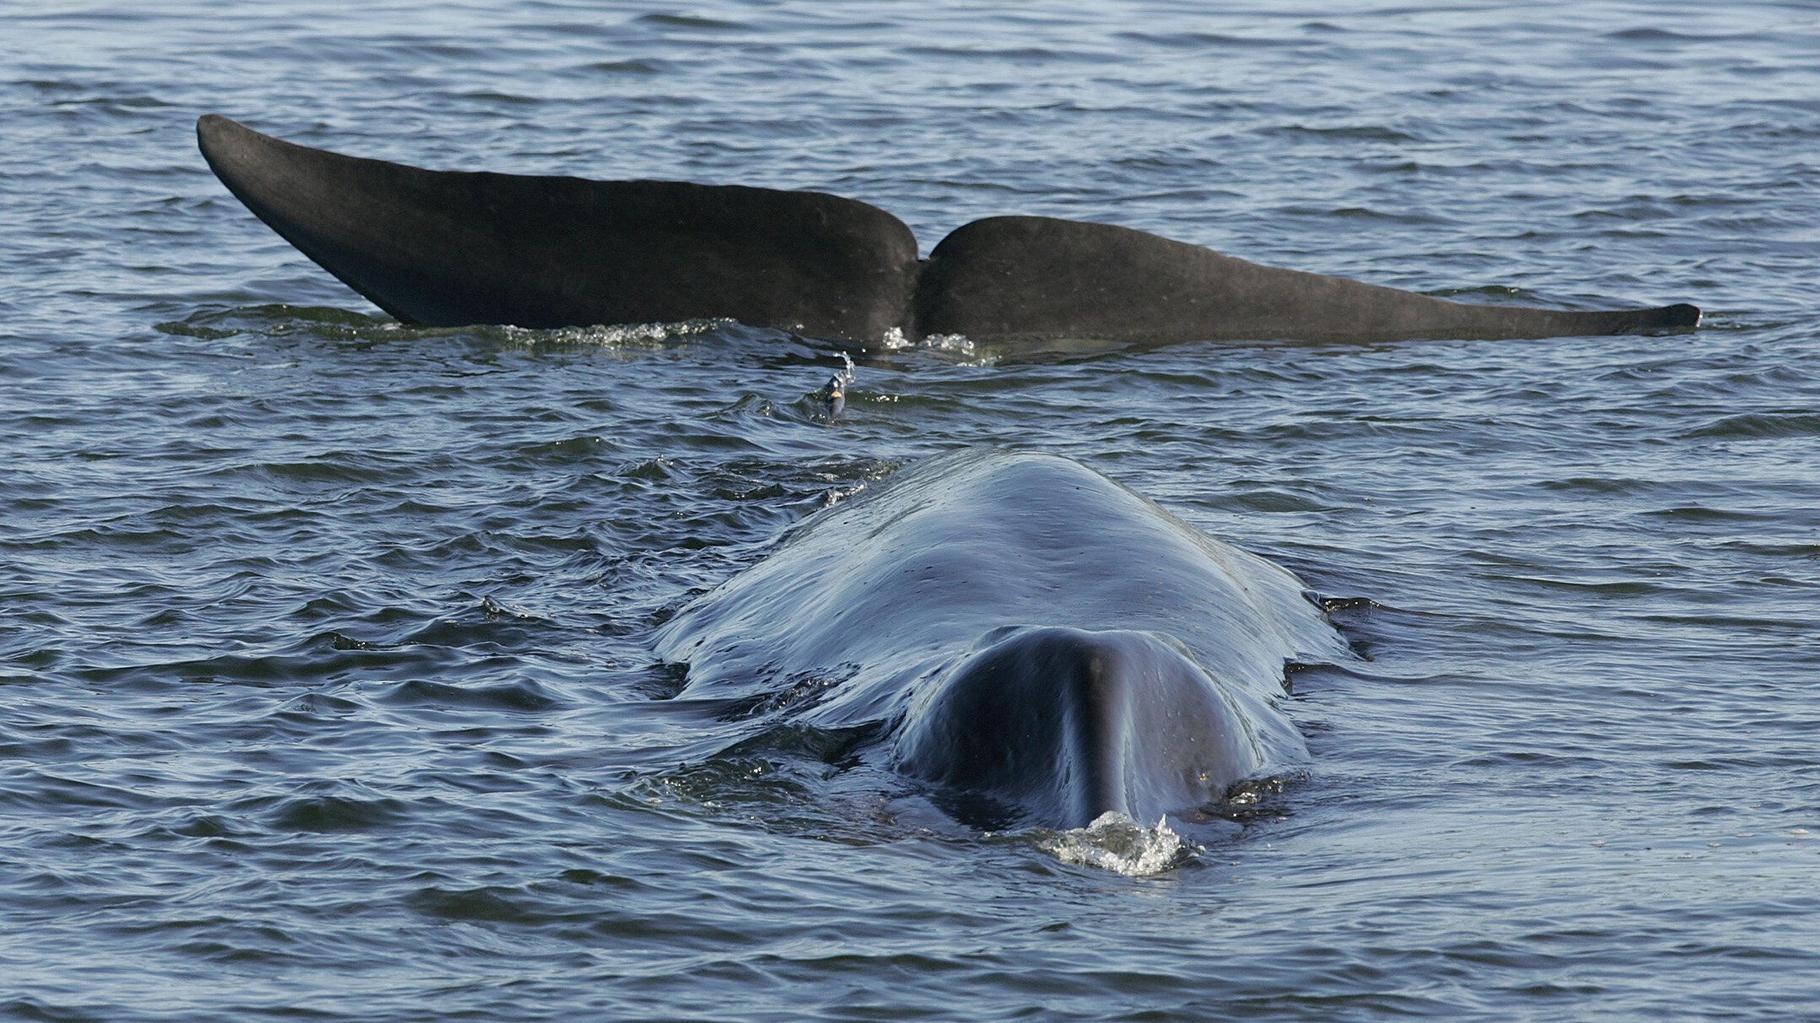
x=329, y=689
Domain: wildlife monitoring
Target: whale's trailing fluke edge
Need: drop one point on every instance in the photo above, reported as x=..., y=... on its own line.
x=450, y=248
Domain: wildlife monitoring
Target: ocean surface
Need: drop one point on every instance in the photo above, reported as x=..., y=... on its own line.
x=328, y=687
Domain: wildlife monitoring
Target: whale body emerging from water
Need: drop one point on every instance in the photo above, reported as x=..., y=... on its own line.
x=446, y=248
x=1032, y=637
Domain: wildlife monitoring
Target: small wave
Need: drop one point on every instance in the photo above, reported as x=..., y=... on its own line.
x=1408, y=216
x=626, y=67
x=1663, y=35
x=1117, y=843
x=523, y=695
x=690, y=21
x=494, y=96
x=654, y=469
x=1760, y=425
x=746, y=407
x=336, y=813
x=580, y=448
x=119, y=103
x=806, y=743
x=1007, y=53
x=488, y=904
x=1205, y=40
x=214, y=323
x=1345, y=132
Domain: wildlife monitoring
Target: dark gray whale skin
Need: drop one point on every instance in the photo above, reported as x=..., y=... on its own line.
x=1023, y=634
x=1069, y=724
x=451, y=248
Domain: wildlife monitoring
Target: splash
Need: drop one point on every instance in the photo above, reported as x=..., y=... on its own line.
x=614, y=336
x=1117, y=843
x=950, y=343
x=894, y=340
x=833, y=395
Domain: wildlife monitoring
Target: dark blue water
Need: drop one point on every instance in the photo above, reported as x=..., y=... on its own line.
x=329, y=686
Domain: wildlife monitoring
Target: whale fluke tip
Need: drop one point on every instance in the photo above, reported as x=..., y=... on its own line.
x=211, y=126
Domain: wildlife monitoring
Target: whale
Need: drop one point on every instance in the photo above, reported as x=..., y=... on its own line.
x=1032, y=643
x=456, y=248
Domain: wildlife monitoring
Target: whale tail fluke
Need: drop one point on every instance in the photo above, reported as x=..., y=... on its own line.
x=450, y=248
x=1043, y=277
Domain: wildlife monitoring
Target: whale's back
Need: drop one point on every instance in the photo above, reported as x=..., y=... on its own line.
x=881, y=594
